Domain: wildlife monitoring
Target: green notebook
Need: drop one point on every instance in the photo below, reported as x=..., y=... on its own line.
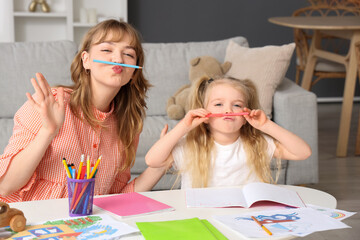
x=188, y=229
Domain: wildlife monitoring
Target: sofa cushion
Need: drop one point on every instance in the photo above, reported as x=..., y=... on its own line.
x=265, y=66
x=20, y=61
x=167, y=67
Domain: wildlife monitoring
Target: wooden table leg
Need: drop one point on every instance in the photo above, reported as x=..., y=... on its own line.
x=348, y=98
x=357, y=146
x=311, y=61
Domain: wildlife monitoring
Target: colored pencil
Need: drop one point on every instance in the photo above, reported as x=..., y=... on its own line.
x=80, y=166
x=95, y=167
x=119, y=64
x=80, y=195
x=88, y=166
x=261, y=225
x=75, y=193
x=226, y=114
x=66, y=168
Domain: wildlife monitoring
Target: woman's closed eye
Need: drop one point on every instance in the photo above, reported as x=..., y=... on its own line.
x=131, y=55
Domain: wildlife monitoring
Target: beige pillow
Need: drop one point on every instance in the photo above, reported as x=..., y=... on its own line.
x=265, y=66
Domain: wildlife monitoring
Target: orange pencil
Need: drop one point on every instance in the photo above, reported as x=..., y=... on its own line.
x=80, y=195
x=80, y=166
x=261, y=225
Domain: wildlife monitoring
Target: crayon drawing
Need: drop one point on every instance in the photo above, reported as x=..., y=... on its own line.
x=83, y=228
x=296, y=222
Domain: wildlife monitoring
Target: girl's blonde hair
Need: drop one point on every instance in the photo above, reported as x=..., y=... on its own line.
x=129, y=103
x=200, y=143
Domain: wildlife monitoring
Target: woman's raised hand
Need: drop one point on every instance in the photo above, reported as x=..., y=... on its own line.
x=51, y=111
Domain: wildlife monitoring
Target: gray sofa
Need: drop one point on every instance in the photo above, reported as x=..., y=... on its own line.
x=166, y=66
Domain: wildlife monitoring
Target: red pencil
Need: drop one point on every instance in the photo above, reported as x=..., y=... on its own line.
x=226, y=114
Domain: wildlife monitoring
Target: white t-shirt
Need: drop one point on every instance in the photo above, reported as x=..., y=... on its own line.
x=230, y=168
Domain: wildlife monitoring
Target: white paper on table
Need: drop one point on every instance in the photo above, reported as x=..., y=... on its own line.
x=298, y=222
x=334, y=213
x=242, y=197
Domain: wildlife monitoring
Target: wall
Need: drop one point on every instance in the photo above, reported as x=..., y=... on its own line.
x=202, y=20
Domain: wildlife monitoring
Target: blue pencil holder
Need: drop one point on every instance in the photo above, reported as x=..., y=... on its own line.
x=81, y=194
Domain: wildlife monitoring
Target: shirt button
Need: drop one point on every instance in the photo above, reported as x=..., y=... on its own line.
x=95, y=145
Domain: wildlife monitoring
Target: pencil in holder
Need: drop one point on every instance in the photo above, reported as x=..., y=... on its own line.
x=81, y=194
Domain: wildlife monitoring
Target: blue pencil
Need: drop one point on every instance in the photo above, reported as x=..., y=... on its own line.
x=120, y=64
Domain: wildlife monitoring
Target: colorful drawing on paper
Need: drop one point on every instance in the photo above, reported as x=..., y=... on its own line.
x=89, y=227
x=334, y=213
x=297, y=222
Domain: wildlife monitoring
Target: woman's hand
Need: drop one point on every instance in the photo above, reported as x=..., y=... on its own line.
x=256, y=118
x=52, y=112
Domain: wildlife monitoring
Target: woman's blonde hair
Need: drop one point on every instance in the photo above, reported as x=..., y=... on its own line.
x=129, y=103
x=199, y=142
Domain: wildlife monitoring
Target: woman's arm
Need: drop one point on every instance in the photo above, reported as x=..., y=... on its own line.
x=52, y=113
x=159, y=154
x=290, y=147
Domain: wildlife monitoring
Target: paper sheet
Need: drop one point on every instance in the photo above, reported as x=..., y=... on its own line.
x=298, y=222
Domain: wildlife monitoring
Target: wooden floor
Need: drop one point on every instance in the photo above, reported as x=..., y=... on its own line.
x=338, y=176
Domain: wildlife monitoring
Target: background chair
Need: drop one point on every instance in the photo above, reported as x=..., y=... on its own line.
x=324, y=69
x=357, y=147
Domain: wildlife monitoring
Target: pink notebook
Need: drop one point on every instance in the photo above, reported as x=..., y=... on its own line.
x=131, y=204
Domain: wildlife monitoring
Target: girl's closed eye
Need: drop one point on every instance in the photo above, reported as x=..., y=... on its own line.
x=105, y=50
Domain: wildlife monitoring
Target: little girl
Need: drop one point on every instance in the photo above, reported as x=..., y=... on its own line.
x=225, y=150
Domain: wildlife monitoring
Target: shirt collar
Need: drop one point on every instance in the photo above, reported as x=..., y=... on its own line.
x=101, y=116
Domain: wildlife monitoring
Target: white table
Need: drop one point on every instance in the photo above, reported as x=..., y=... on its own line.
x=41, y=211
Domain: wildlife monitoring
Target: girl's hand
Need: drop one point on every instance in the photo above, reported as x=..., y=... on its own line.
x=194, y=118
x=256, y=118
x=52, y=112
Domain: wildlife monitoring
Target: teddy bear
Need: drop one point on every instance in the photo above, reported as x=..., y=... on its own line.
x=177, y=105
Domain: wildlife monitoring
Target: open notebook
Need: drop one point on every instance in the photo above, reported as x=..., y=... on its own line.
x=242, y=197
x=131, y=204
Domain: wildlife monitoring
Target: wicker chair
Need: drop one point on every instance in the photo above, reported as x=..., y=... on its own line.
x=324, y=69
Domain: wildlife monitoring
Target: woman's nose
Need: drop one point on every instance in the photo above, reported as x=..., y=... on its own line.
x=117, y=57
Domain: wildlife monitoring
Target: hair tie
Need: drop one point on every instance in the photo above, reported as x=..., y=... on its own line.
x=210, y=80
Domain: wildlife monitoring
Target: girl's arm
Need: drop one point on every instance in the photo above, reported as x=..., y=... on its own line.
x=159, y=154
x=24, y=164
x=290, y=146
x=149, y=178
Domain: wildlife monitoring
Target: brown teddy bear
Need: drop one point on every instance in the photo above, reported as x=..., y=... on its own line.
x=199, y=66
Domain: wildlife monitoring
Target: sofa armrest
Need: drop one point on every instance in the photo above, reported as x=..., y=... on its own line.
x=295, y=109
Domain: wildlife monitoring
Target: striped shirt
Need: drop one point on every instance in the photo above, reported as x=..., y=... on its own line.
x=75, y=137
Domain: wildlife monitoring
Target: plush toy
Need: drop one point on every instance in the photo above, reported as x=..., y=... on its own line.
x=199, y=67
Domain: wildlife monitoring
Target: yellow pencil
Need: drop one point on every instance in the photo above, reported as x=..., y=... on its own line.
x=95, y=167
x=88, y=167
x=66, y=168
x=80, y=166
x=261, y=225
